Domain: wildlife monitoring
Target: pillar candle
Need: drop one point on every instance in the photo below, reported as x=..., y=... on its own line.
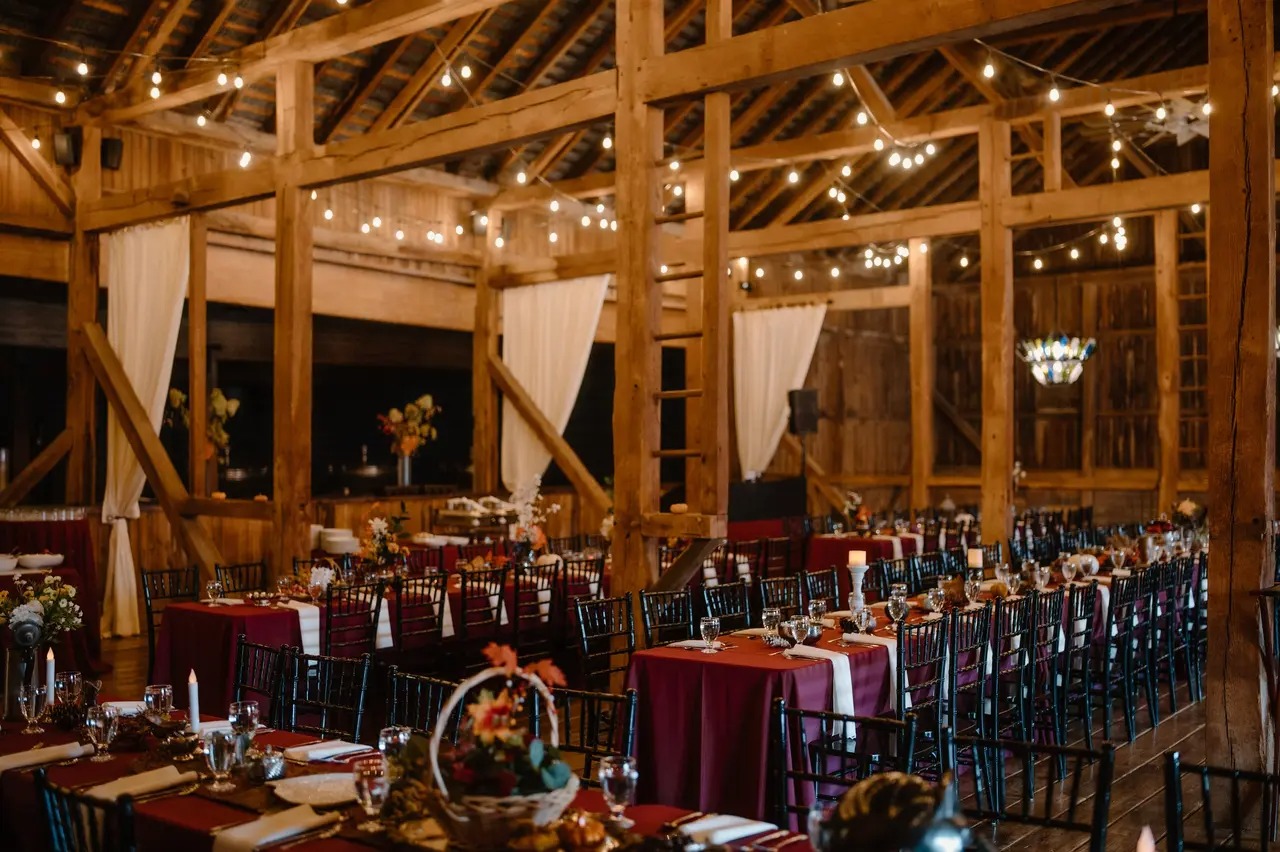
x=193, y=702
x=975, y=557
x=49, y=696
x=857, y=557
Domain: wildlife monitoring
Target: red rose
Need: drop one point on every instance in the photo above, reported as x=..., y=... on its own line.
x=505, y=782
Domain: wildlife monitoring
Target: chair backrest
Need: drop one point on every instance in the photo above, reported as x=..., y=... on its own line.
x=970, y=650
x=242, y=577
x=993, y=554
x=169, y=585
x=593, y=725
x=1223, y=808
x=325, y=696
x=486, y=551
x=667, y=616
x=814, y=754
x=753, y=551
x=781, y=593
x=1047, y=633
x=581, y=576
x=349, y=622
x=536, y=619
x=667, y=555
x=731, y=603
x=922, y=651
x=777, y=558
x=416, y=701
x=481, y=603
x=930, y=567
x=822, y=585
x=1028, y=787
x=955, y=559
x=601, y=622
x=1081, y=612
x=417, y=621
x=565, y=544
x=259, y=677
x=1012, y=634
x=1120, y=612
x=423, y=560
x=886, y=572
x=78, y=823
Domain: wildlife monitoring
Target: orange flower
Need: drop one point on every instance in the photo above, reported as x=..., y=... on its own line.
x=491, y=716
x=501, y=657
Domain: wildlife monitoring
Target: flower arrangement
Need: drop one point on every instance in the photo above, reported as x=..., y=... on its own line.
x=221, y=409
x=411, y=428
x=40, y=613
x=381, y=543
x=532, y=511
x=1189, y=513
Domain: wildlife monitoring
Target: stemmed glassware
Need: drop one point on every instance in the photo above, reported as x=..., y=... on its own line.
x=392, y=741
x=1117, y=559
x=68, y=686
x=31, y=705
x=817, y=610
x=710, y=628
x=100, y=722
x=973, y=587
x=1069, y=567
x=220, y=753
x=213, y=591
x=618, y=776
x=1041, y=576
x=243, y=716
x=372, y=787
x=897, y=606
x=864, y=620
x=157, y=699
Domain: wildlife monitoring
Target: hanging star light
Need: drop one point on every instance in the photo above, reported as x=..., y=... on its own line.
x=1057, y=359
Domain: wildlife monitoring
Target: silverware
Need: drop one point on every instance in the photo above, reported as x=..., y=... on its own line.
x=181, y=790
x=226, y=825
x=793, y=839
x=696, y=815
x=758, y=844
x=322, y=833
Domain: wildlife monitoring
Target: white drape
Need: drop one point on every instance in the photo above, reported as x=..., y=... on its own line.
x=771, y=353
x=547, y=331
x=146, y=277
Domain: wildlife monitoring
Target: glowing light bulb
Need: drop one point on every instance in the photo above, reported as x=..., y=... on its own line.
x=879, y=261
x=837, y=79
x=907, y=163
x=903, y=251
x=459, y=230
x=83, y=69
x=868, y=253
x=245, y=159
x=465, y=72
x=924, y=248
x=846, y=171
x=600, y=208
x=238, y=82
x=364, y=227
x=677, y=190
x=1117, y=222
x=484, y=221
x=845, y=217
x=35, y=142
x=155, y=92
x=867, y=263
x=835, y=272
x=930, y=149
x=1195, y=209
x=377, y=221
x=1116, y=145
x=607, y=142
x=964, y=261
x=1038, y=263
x=1102, y=238
x=1075, y=254
x=831, y=193
x=1120, y=232
x=799, y=275
x=1275, y=90
x=328, y=214
x=440, y=239
x=554, y=205
x=878, y=144
x=156, y=78
x=201, y=121
x=1206, y=108
x=222, y=78
x=1115, y=162
x=613, y=224
x=793, y=176
x=1161, y=113
x=1055, y=95
x=674, y=165
x=895, y=158
x=862, y=117
x=521, y=177
x=759, y=271
x=663, y=269
x=919, y=158
x=59, y=97
x=399, y=234
x=1109, y=109
x=897, y=260
x=499, y=242
x=446, y=80
x=988, y=70
x=586, y=220
x=841, y=197
x=553, y=237
x=604, y=224
x=313, y=195
x=733, y=175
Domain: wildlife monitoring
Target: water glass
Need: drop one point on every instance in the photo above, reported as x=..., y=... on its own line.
x=935, y=599
x=157, y=699
x=1069, y=568
x=710, y=627
x=213, y=591
x=897, y=607
x=100, y=722
x=1117, y=558
x=864, y=620
x=618, y=776
x=316, y=591
x=973, y=587
x=392, y=741
x=243, y=716
x=372, y=787
x=817, y=610
x=220, y=753
x=770, y=618
x=1014, y=582
x=68, y=686
x=1041, y=576
x=31, y=705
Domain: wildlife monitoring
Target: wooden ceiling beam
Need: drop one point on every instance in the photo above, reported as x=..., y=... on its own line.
x=159, y=36
x=284, y=16
x=130, y=51
x=852, y=35
x=350, y=31
x=35, y=93
x=359, y=94
x=469, y=94
x=871, y=95
x=215, y=19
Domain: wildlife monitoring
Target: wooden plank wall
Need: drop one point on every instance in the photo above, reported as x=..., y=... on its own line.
x=20, y=195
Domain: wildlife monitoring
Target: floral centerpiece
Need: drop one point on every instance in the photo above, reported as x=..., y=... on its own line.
x=37, y=614
x=1189, y=513
x=532, y=511
x=380, y=544
x=221, y=409
x=409, y=430
x=497, y=778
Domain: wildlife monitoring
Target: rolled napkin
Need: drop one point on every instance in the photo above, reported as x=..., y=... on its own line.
x=723, y=828
x=841, y=675
x=142, y=783
x=695, y=643
x=41, y=756
x=931, y=616
x=323, y=751
x=272, y=828
x=1121, y=572
x=128, y=708
x=753, y=631
x=230, y=601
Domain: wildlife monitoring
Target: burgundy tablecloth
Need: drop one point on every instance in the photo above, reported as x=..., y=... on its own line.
x=72, y=540
x=702, y=729
x=751, y=530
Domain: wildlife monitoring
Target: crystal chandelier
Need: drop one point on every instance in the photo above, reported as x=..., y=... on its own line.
x=1057, y=360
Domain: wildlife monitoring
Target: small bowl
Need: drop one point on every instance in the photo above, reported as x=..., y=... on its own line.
x=8, y=562
x=40, y=560
x=260, y=599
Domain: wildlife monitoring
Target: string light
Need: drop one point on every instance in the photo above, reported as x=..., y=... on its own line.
x=521, y=177
x=586, y=220
x=675, y=165
x=238, y=82
x=846, y=171
x=1054, y=94
x=897, y=260
x=1075, y=253
x=895, y=158
x=377, y=221
x=459, y=230
x=156, y=77
x=222, y=78
x=328, y=214
x=613, y=224
x=663, y=269
x=1116, y=145
x=1195, y=209
x=989, y=70
x=1275, y=90
x=759, y=271
x=484, y=220
x=465, y=72
x=1115, y=163
x=607, y=142
x=82, y=68
x=499, y=242
x=878, y=144
x=677, y=190
x=431, y=236
x=552, y=237
x=600, y=208
x=868, y=253
x=831, y=193
x=733, y=175
x=245, y=159
x=446, y=80
x=604, y=224
x=1038, y=263
x=924, y=248
x=793, y=176
x=964, y=262
x=919, y=159
x=313, y=195
x=1161, y=113
x=799, y=274
x=879, y=261
x=399, y=234
x=364, y=227
x=1117, y=222
x=35, y=141
x=862, y=117
x=155, y=92
x=867, y=263
x=554, y=205
x=1206, y=108
x=59, y=97
x=907, y=163
x=1102, y=238
x=930, y=149
x=201, y=121
x=1109, y=110
x=837, y=79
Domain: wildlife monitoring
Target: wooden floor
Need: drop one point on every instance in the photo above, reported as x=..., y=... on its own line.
x=1137, y=797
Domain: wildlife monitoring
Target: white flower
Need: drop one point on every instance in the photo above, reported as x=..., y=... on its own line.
x=321, y=576
x=32, y=611
x=1188, y=508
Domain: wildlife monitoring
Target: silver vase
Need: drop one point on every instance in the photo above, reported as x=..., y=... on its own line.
x=404, y=471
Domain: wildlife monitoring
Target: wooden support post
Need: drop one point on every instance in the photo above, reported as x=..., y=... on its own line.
x=198, y=359
x=694, y=199
x=1241, y=379
x=484, y=349
x=1167, y=410
x=996, y=242
x=1051, y=156
x=920, y=337
x=636, y=432
x=1088, y=389
x=292, y=405
x=82, y=307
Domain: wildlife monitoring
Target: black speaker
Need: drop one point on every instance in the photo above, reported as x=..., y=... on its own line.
x=804, y=411
x=112, y=152
x=66, y=146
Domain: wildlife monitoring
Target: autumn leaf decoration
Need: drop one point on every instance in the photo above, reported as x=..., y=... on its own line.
x=503, y=657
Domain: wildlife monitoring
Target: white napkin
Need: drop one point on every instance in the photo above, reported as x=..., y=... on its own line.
x=127, y=708
x=841, y=675
x=41, y=756
x=142, y=783
x=695, y=643
x=309, y=626
x=216, y=725
x=268, y=829
x=230, y=601
x=722, y=828
x=1121, y=572
x=323, y=751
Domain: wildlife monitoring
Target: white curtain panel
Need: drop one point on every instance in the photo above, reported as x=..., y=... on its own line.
x=146, y=278
x=771, y=354
x=547, y=331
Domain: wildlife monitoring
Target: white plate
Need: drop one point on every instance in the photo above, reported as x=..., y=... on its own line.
x=321, y=791
x=40, y=560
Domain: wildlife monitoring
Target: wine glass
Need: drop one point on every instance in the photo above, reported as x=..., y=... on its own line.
x=392, y=741
x=1069, y=567
x=100, y=723
x=973, y=587
x=1117, y=559
x=897, y=606
x=31, y=705
x=817, y=610
x=864, y=619
x=1041, y=576
x=220, y=753
x=1014, y=582
x=618, y=775
x=710, y=627
x=770, y=618
x=157, y=699
x=372, y=787
x=243, y=716
x=68, y=686
x=213, y=589
x=315, y=591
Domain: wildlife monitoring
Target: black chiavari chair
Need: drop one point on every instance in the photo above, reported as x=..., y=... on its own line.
x=242, y=577
x=667, y=616
x=416, y=701
x=482, y=610
x=349, y=621
x=667, y=555
x=729, y=602
x=1077, y=663
x=885, y=573
x=819, y=755
x=580, y=577
x=259, y=677
x=777, y=558
x=163, y=587
x=565, y=544
x=993, y=554
x=930, y=568
x=1048, y=645
x=1145, y=626
x=921, y=681
x=970, y=673
x=822, y=585
x=593, y=726
x=1250, y=805
x=607, y=639
x=325, y=696
x=1114, y=666
x=422, y=561
x=1175, y=628
x=77, y=822
x=486, y=551
x=417, y=620
x=1011, y=664
x=782, y=593
x=754, y=552
x=534, y=622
